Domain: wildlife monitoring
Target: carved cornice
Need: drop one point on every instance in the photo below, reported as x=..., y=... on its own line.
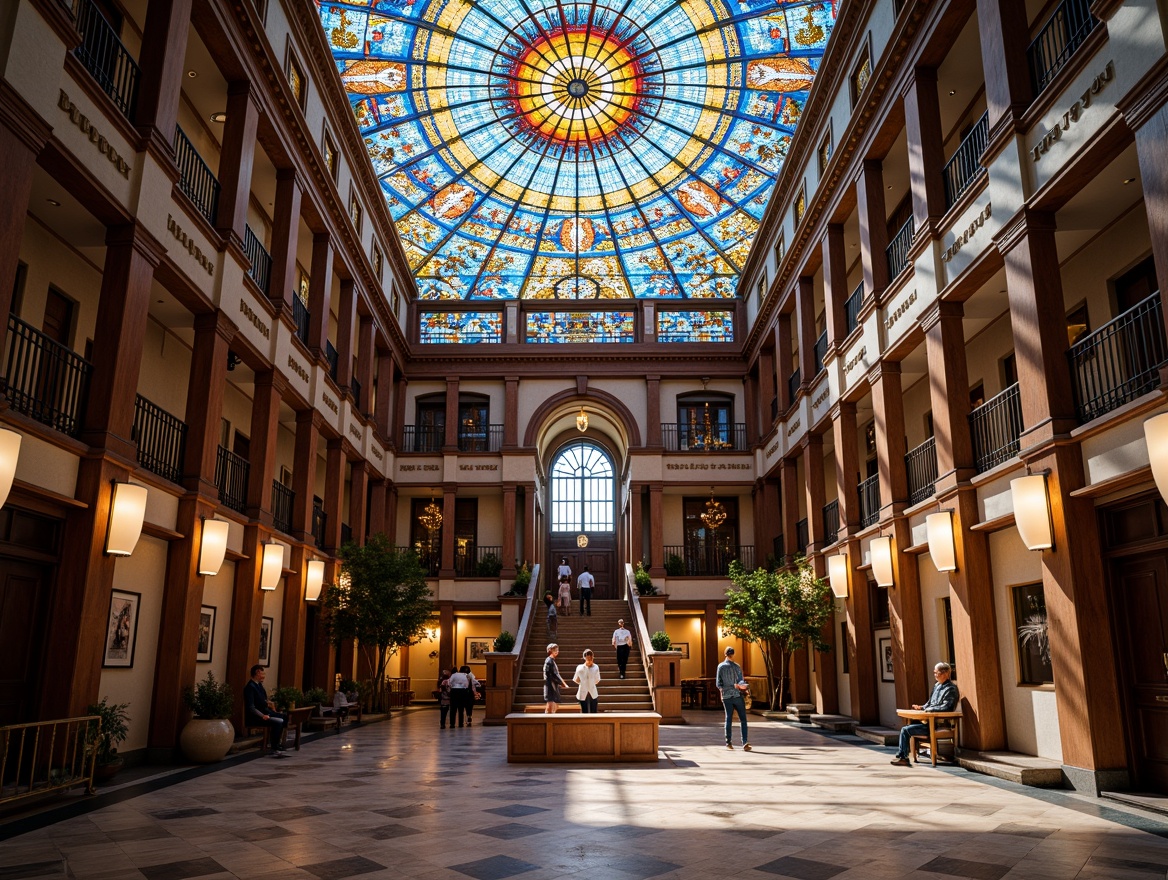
x=1147, y=97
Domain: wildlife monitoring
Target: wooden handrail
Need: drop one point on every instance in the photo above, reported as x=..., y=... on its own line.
x=525, y=627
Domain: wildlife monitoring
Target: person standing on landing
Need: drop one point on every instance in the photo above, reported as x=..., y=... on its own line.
x=584, y=584
x=732, y=684
x=622, y=640
x=566, y=596
x=552, y=680
x=588, y=677
x=564, y=570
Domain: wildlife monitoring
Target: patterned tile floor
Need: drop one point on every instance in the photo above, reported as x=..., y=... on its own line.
x=404, y=799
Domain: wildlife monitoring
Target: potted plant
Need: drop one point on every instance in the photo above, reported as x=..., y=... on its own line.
x=314, y=696
x=643, y=581
x=489, y=566
x=504, y=642
x=522, y=581
x=207, y=737
x=660, y=641
x=105, y=740
x=286, y=698
x=674, y=565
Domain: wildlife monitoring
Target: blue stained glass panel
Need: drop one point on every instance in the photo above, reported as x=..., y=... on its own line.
x=695, y=326
x=581, y=327
x=460, y=327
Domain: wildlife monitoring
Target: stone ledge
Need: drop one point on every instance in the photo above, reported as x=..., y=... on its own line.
x=837, y=723
x=882, y=736
x=1014, y=767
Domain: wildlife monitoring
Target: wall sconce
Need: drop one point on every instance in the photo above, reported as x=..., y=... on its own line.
x=837, y=574
x=313, y=580
x=881, y=549
x=213, y=548
x=9, y=454
x=272, y=566
x=942, y=548
x=1156, y=436
x=582, y=421
x=1032, y=511
x=127, y=513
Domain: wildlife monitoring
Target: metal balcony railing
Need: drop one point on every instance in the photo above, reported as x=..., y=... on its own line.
x=43, y=379
x=869, y=494
x=802, y=537
x=820, y=352
x=333, y=357
x=897, y=250
x=1064, y=32
x=707, y=559
x=484, y=438
x=995, y=427
x=196, y=179
x=1120, y=361
x=319, y=524
x=161, y=437
x=920, y=464
x=471, y=560
x=683, y=437
x=283, y=500
x=300, y=315
x=107, y=60
x=260, y=270
x=965, y=166
x=830, y=522
x=423, y=438
x=853, y=307
x=793, y=383
x=231, y=472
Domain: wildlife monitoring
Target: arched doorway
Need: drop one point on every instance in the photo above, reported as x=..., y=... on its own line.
x=582, y=487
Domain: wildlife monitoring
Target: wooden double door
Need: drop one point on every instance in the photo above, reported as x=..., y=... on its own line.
x=599, y=556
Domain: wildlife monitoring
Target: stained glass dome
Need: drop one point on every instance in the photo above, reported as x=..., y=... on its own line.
x=545, y=149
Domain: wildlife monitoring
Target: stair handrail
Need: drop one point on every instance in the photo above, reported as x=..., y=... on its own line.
x=525, y=628
x=640, y=627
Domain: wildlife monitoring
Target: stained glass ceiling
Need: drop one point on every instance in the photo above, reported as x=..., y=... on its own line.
x=544, y=149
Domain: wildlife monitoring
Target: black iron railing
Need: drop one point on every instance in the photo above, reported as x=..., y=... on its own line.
x=43, y=379
x=473, y=560
x=333, y=357
x=869, y=495
x=355, y=390
x=683, y=437
x=160, y=438
x=260, y=270
x=898, y=248
x=231, y=473
x=708, y=558
x=1063, y=33
x=1120, y=361
x=965, y=166
x=921, y=466
x=196, y=179
x=995, y=427
x=853, y=307
x=300, y=316
x=802, y=537
x=106, y=59
x=484, y=438
x=793, y=383
x=423, y=438
x=820, y=352
x=283, y=499
x=319, y=523
x=830, y=522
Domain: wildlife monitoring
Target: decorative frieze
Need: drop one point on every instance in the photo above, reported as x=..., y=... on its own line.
x=963, y=238
x=249, y=313
x=330, y=403
x=96, y=138
x=900, y=311
x=296, y=368
x=188, y=244
x=856, y=359
x=1075, y=113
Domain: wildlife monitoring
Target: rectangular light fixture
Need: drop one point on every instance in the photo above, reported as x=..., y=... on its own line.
x=213, y=548
x=1156, y=436
x=1032, y=511
x=881, y=550
x=272, y=566
x=9, y=455
x=313, y=580
x=837, y=575
x=942, y=548
x=126, y=516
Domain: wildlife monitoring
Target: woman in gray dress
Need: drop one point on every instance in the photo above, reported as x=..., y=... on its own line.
x=552, y=680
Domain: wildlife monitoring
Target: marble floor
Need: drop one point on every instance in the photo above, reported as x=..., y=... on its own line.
x=403, y=799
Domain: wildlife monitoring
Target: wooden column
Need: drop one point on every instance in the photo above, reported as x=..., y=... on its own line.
x=812, y=446
x=786, y=358
x=789, y=487
x=160, y=63
x=366, y=353
x=320, y=293
x=511, y=412
x=805, y=310
x=971, y=588
x=1005, y=33
x=653, y=411
x=236, y=160
x=750, y=404
x=711, y=656
x=450, y=443
x=873, y=227
x=304, y=459
x=391, y=514
x=530, y=543
x=446, y=646
x=509, y=515
x=377, y=502
x=265, y=426
x=19, y=145
x=862, y=677
x=1151, y=131
x=835, y=284
x=381, y=409
x=656, y=532
x=334, y=493
x=767, y=392
x=285, y=234
x=358, y=494
x=399, y=409
x=637, y=523
x=847, y=464
x=346, y=323
x=293, y=616
x=926, y=153
x=247, y=607
x=213, y=335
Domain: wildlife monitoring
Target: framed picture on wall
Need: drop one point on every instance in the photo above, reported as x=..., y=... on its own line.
x=121, y=632
x=266, y=627
x=476, y=650
x=683, y=647
x=886, y=667
x=206, y=646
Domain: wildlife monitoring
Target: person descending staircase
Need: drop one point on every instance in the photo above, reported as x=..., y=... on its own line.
x=577, y=633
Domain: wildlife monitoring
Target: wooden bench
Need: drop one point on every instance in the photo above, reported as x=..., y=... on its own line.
x=604, y=738
x=330, y=717
x=295, y=721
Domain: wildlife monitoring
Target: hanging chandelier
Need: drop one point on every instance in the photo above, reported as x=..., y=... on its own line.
x=582, y=420
x=715, y=513
x=431, y=517
x=706, y=438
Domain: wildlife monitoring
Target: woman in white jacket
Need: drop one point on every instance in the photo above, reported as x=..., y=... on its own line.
x=587, y=677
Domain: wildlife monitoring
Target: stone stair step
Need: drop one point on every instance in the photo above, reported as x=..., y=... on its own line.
x=882, y=736
x=838, y=723
x=1014, y=767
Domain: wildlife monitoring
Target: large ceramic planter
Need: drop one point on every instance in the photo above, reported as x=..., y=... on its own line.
x=206, y=740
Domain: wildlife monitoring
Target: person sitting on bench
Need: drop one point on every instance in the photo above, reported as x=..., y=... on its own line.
x=944, y=699
x=259, y=711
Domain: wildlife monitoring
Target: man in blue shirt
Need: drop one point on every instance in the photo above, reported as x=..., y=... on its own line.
x=733, y=685
x=944, y=699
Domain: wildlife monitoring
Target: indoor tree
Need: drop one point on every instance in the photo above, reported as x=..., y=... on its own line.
x=782, y=612
x=380, y=600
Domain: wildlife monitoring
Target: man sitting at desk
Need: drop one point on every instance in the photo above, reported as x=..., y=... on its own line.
x=944, y=699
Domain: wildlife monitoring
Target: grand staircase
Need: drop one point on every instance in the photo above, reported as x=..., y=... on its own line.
x=577, y=633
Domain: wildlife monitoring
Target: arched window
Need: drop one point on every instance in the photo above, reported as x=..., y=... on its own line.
x=582, y=489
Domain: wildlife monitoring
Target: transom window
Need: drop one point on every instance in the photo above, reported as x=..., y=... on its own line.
x=582, y=489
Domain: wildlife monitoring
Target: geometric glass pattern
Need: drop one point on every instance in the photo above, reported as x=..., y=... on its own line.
x=694, y=326
x=582, y=489
x=577, y=149
x=460, y=327
x=581, y=327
